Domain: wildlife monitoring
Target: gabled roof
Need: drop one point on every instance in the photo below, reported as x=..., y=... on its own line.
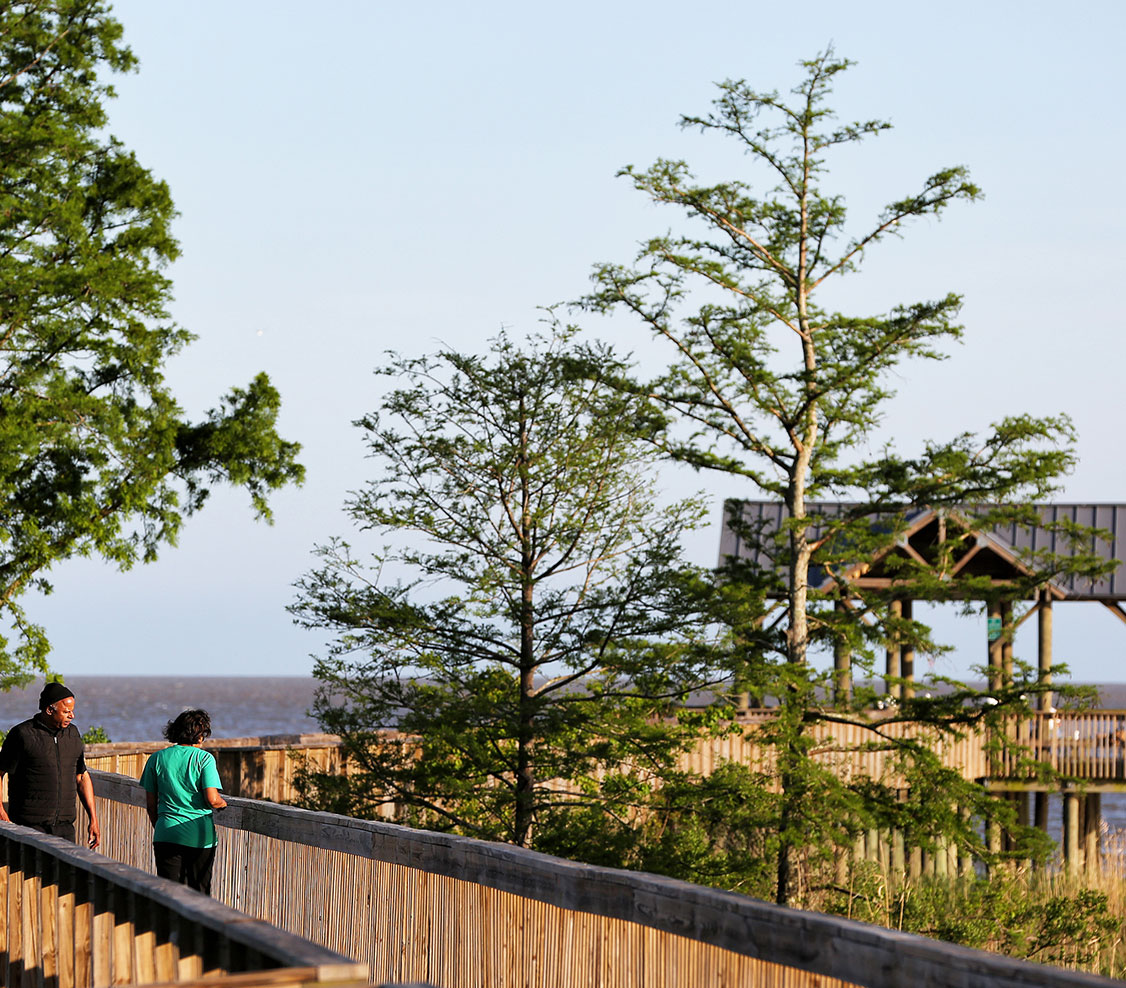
x=997, y=553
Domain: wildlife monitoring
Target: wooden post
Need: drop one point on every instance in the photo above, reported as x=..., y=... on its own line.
x=842, y=666
x=66, y=927
x=15, y=908
x=1007, y=642
x=1040, y=812
x=1071, y=831
x=993, y=645
x=993, y=836
x=1091, y=821
x=898, y=854
x=1024, y=816
x=49, y=919
x=895, y=609
x=1044, y=650
x=941, y=857
x=907, y=659
x=952, y=855
x=5, y=953
x=101, y=935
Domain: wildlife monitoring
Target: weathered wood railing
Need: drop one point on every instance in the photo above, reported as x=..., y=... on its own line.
x=259, y=768
x=1083, y=745
x=70, y=917
x=457, y=912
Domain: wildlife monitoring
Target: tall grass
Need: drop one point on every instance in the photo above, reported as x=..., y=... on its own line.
x=1069, y=919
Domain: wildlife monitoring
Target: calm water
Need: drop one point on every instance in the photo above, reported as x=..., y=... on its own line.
x=136, y=708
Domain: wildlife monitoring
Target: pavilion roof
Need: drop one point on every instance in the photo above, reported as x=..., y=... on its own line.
x=996, y=552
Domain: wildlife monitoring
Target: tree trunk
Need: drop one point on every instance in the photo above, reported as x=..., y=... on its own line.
x=525, y=742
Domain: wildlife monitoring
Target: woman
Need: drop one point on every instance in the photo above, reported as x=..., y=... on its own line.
x=182, y=786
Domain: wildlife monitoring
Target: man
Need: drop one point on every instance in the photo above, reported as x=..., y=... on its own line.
x=45, y=764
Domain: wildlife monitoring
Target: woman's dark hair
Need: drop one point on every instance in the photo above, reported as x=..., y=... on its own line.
x=189, y=727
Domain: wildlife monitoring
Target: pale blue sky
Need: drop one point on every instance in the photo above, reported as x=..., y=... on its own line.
x=355, y=177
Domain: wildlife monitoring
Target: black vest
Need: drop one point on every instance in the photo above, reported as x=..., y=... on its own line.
x=42, y=764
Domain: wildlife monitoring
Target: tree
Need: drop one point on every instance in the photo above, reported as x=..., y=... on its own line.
x=768, y=385
x=96, y=457
x=508, y=663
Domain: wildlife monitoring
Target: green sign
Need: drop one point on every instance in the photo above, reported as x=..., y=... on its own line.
x=993, y=625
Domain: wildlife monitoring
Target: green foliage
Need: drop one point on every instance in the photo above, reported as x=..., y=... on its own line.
x=96, y=457
x=1009, y=913
x=510, y=662
x=768, y=384
x=96, y=735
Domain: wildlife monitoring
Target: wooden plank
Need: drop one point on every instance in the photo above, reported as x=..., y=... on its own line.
x=276, y=978
x=83, y=930
x=144, y=942
x=32, y=954
x=101, y=932
x=66, y=929
x=123, y=936
x=165, y=954
x=48, y=919
x=190, y=939
x=13, y=975
x=6, y=848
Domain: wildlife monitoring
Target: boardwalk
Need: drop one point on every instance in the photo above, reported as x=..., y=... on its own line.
x=412, y=906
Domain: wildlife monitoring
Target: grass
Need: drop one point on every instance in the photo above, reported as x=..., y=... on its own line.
x=1071, y=920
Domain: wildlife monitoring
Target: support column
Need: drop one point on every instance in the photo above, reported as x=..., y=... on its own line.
x=915, y=862
x=1007, y=642
x=1071, y=831
x=1041, y=810
x=907, y=658
x=895, y=609
x=1024, y=815
x=872, y=846
x=993, y=836
x=1091, y=843
x=994, y=622
x=941, y=857
x=842, y=666
x=1044, y=649
x=898, y=855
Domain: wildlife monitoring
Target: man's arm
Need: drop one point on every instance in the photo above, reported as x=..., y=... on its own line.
x=214, y=800
x=150, y=805
x=3, y=812
x=86, y=798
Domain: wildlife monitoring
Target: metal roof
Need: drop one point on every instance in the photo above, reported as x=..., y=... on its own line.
x=767, y=517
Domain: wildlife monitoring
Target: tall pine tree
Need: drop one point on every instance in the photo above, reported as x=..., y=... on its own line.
x=769, y=386
x=96, y=457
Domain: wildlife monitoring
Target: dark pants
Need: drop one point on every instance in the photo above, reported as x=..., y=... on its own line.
x=190, y=866
x=61, y=828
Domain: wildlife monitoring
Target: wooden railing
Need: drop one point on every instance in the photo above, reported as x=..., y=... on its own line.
x=1082, y=745
x=1088, y=746
x=457, y=912
x=259, y=768
x=71, y=917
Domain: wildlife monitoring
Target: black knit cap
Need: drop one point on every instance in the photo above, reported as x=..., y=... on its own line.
x=52, y=693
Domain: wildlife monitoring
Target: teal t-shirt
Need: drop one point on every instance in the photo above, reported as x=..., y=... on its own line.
x=178, y=776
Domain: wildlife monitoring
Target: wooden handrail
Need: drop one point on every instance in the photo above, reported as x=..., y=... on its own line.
x=74, y=917
x=457, y=912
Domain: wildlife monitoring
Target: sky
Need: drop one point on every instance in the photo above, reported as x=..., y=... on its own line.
x=358, y=177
